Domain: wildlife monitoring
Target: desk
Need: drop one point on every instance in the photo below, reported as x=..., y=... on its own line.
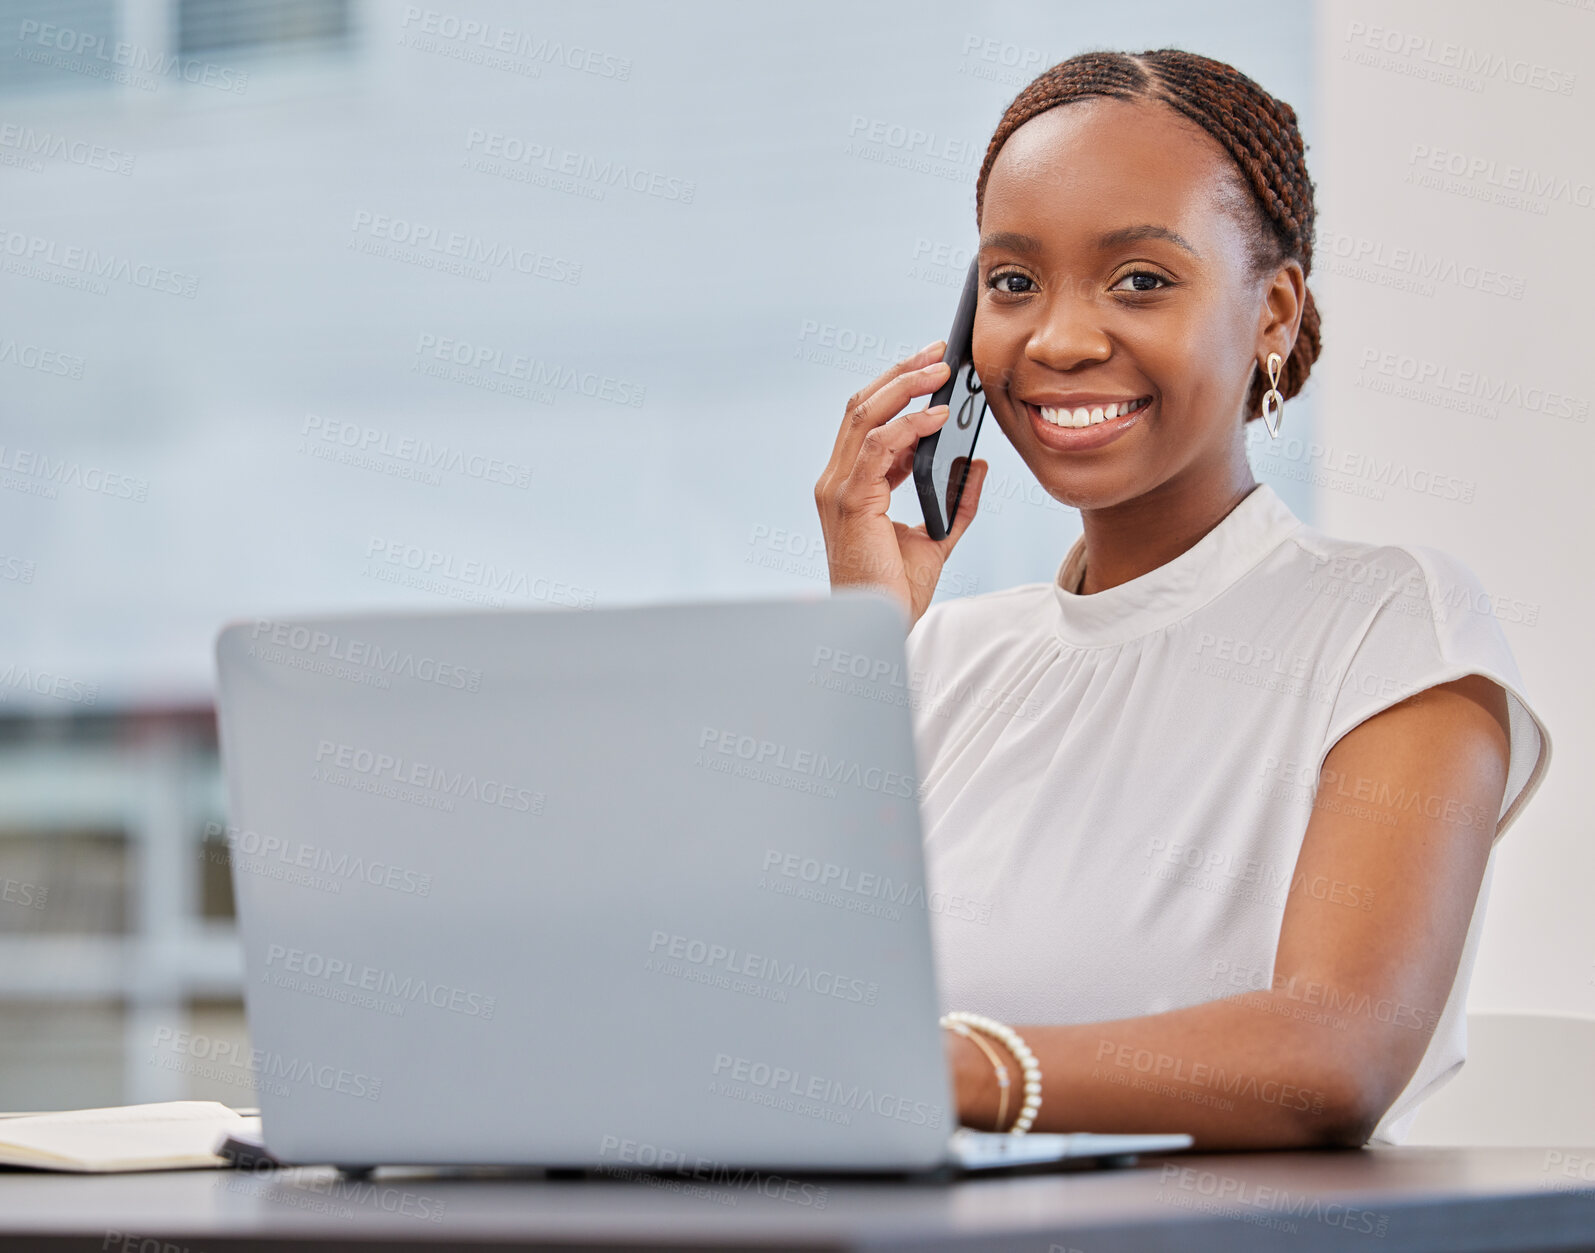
x=1386, y=1200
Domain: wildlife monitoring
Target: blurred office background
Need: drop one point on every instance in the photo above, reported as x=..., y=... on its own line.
x=341, y=304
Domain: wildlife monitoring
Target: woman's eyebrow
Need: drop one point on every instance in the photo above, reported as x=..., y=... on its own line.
x=1146, y=230
x=1015, y=242
x=1012, y=241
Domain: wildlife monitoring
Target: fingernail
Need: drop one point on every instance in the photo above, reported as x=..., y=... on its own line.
x=935, y=343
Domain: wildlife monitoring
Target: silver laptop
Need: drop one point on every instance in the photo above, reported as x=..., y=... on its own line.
x=636, y=888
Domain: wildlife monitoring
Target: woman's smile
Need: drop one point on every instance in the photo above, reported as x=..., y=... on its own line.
x=1084, y=411
x=1079, y=427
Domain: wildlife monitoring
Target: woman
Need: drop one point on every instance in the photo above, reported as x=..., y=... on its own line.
x=1228, y=788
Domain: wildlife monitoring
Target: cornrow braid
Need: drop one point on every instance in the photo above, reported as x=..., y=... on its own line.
x=1258, y=131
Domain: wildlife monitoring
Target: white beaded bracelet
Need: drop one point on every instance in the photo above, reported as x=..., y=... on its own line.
x=1016, y=1045
x=1001, y=1071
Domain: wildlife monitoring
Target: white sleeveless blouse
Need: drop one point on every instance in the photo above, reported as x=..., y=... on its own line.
x=1121, y=782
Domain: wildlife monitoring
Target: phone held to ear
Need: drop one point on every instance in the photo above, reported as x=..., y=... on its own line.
x=941, y=459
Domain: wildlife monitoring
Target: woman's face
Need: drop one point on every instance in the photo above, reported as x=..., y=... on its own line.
x=1116, y=270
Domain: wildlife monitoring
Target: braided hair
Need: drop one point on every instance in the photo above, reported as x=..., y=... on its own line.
x=1258, y=131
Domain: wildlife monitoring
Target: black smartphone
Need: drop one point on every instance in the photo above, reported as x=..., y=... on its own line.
x=941, y=459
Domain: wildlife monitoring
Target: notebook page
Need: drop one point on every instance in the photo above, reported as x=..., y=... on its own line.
x=163, y=1136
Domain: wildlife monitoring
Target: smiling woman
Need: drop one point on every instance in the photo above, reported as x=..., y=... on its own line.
x=1235, y=841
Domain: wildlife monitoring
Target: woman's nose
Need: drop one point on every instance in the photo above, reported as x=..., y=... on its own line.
x=1069, y=331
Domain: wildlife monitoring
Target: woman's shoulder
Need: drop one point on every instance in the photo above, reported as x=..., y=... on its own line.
x=1324, y=549
x=1412, y=617
x=1405, y=575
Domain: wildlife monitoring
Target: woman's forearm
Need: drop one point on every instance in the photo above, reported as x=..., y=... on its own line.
x=1231, y=1073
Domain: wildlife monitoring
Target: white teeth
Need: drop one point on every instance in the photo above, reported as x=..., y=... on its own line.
x=1086, y=417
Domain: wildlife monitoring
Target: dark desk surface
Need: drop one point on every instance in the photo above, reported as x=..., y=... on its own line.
x=1376, y=1199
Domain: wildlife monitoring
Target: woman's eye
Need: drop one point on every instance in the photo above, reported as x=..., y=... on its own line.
x=1140, y=280
x=1001, y=281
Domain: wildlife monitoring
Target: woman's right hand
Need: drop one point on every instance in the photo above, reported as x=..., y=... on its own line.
x=874, y=453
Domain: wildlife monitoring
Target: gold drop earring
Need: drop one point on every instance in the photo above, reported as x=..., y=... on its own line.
x=1273, y=402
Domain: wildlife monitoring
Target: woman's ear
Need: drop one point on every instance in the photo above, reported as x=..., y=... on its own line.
x=1279, y=318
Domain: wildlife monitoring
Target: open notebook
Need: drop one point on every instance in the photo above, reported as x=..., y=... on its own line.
x=171, y=1135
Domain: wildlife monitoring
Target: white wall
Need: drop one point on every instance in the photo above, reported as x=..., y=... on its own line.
x=1504, y=94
